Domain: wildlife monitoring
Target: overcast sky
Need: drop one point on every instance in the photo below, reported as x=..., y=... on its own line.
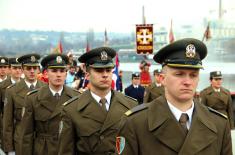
x=115, y=15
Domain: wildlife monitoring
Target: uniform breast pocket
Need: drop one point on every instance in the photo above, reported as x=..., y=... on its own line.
x=89, y=133
x=42, y=120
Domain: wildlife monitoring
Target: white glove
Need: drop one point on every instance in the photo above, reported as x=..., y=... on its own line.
x=12, y=153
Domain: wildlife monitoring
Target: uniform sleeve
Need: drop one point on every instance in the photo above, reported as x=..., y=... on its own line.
x=27, y=128
x=230, y=112
x=203, y=98
x=8, y=122
x=130, y=146
x=126, y=92
x=227, y=142
x=146, y=95
x=67, y=136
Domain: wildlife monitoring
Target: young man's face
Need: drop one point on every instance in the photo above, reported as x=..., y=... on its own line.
x=158, y=77
x=135, y=80
x=16, y=72
x=31, y=72
x=56, y=76
x=3, y=70
x=180, y=84
x=216, y=82
x=100, y=78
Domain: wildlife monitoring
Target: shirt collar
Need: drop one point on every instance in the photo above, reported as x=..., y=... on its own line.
x=158, y=84
x=97, y=98
x=177, y=113
x=29, y=84
x=13, y=81
x=216, y=90
x=3, y=79
x=54, y=92
x=135, y=86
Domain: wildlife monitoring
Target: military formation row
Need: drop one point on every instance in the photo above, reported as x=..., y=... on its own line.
x=41, y=119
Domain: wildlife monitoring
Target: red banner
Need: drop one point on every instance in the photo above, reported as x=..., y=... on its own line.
x=144, y=39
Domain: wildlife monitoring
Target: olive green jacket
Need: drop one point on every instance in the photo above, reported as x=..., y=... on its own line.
x=152, y=92
x=220, y=101
x=87, y=130
x=13, y=105
x=153, y=130
x=40, y=125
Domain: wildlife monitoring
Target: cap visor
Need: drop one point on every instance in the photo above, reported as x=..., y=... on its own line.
x=53, y=67
x=185, y=66
x=37, y=64
x=101, y=65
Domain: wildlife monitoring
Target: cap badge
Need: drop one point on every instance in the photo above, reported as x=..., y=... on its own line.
x=33, y=59
x=103, y=56
x=17, y=60
x=3, y=61
x=190, y=51
x=59, y=59
x=218, y=73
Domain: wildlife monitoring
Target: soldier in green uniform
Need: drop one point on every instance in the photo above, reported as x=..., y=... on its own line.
x=217, y=97
x=41, y=124
x=91, y=120
x=155, y=89
x=14, y=102
x=15, y=74
x=4, y=66
x=175, y=124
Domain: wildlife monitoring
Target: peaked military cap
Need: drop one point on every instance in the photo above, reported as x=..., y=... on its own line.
x=29, y=59
x=157, y=71
x=55, y=61
x=216, y=75
x=14, y=62
x=99, y=57
x=135, y=75
x=4, y=61
x=184, y=53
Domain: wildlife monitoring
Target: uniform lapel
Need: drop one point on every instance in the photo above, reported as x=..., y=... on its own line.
x=66, y=95
x=39, y=84
x=219, y=96
x=164, y=126
x=117, y=108
x=45, y=97
x=89, y=108
x=202, y=132
x=22, y=89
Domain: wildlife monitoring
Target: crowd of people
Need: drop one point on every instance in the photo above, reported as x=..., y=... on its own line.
x=57, y=107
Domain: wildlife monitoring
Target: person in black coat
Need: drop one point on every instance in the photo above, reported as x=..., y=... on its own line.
x=135, y=90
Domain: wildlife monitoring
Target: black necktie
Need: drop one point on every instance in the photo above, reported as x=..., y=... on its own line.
x=183, y=122
x=31, y=87
x=103, y=101
x=57, y=96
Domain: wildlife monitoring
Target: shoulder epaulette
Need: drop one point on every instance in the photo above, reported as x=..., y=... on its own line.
x=76, y=91
x=32, y=92
x=131, y=98
x=13, y=84
x=217, y=112
x=70, y=100
x=136, y=109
